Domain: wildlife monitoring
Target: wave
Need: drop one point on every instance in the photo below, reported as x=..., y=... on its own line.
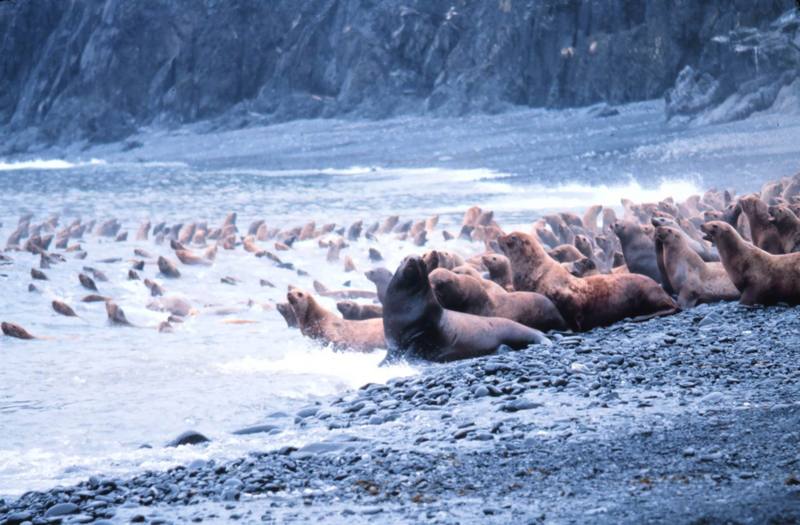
x=47, y=164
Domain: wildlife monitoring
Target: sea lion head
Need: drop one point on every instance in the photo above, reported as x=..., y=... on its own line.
x=514, y=244
x=301, y=304
x=583, y=267
x=447, y=288
x=779, y=213
x=625, y=229
x=493, y=260
x=431, y=260
x=347, y=308
x=411, y=277
x=666, y=234
x=713, y=230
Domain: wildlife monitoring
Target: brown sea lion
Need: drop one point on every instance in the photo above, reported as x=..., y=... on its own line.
x=585, y=303
x=38, y=275
x=116, y=315
x=761, y=277
x=788, y=226
x=565, y=253
x=417, y=326
x=155, y=288
x=354, y=311
x=15, y=330
x=441, y=259
x=322, y=325
x=190, y=258
x=94, y=298
x=87, y=282
x=582, y=267
x=499, y=269
x=638, y=248
x=63, y=309
x=463, y=293
x=323, y=290
x=764, y=233
x=167, y=268
x=349, y=264
x=143, y=231
x=692, y=279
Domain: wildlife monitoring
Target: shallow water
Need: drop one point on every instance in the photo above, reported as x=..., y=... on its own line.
x=86, y=397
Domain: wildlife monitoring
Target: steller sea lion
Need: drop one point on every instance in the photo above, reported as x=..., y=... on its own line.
x=441, y=259
x=354, y=311
x=380, y=277
x=285, y=309
x=87, y=282
x=463, y=293
x=320, y=324
x=189, y=258
x=761, y=277
x=116, y=315
x=167, y=268
x=788, y=226
x=38, y=275
x=63, y=309
x=499, y=269
x=585, y=303
x=638, y=248
x=323, y=290
x=692, y=279
x=417, y=326
x=764, y=233
x=15, y=330
x=565, y=253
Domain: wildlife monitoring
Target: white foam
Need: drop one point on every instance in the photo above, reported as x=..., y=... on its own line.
x=47, y=164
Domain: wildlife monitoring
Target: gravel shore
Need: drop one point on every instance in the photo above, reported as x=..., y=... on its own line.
x=693, y=418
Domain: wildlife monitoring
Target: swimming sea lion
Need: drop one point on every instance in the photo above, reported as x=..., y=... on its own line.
x=16, y=331
x=63, y=309
x=692, y=279
x=320, y=324
x=167, y=268
x=416, y=325
x=87, y=282
x=358, y=312
x=463, y=293
x=381, y=278
x=38, y=275
x=116, y=315
x=189, y=258
x=285, y=309
x=761, y=277
x=585, y=303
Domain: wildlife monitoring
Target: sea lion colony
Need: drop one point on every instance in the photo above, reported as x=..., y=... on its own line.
x=566, y=272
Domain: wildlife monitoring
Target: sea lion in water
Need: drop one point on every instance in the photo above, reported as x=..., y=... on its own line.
x=639, y=249
x=585, y=303
x=761, y=277
x=167, y=268
x=693, y=280
x=323, y=290
x=320, y=324
x=116, y=315
x=463, y=293
x=63, y=309
x=499, y=269
x=416, y=325
x=16, y=331
x=354, y=311
x=285, y=309
x=190, y=258
x=87, y=282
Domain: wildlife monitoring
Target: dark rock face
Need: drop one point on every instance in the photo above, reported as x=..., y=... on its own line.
x=96, y=71
x=740, y=72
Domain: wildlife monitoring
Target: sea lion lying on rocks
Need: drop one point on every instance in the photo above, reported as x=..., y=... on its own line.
x=585, y=303
x=761, y=277
x=323, y=325
x=463, y=293
x=417, y=326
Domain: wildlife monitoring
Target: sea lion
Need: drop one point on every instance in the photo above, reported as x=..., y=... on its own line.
x=441, y=259
x=638, y=248
x=354, y=231
x=155, y=288
x=97, y=275
x=499, y=269
x=16, y=331
x=761, y=277
x=349, y=264
x=94, y=298
x=38, y=275
x=788, y=226
x=189, y=258
x=692, y=279
x=375, y=255
x=389, y=224
x=87, y=282
x=167, y=268
x=463, y=293
x=116, y=315
x=380, y=277
x=417, y=326
x=565, y=253
x=585, y=303
x=320, y=324
x=323, y=290
x=764, y=233
x=285, y=309
x=582, y=267
x=63, y=309
x=173, y=304
x=354, y=311
x=143, y=231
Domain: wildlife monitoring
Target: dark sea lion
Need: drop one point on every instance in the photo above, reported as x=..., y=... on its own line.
x=582, y=267
x=381, y=278
x=764, y=233
x=354, y=231
x=155, y=288
x=788, y=226
x=375, y=255
x=116, y=315
x=167, y=268
x=133, y=275
x=110, y=228
x=97, y=275
x=499, y=269
x=137, y=265
x=122, y=237
x=87, y=282
x=354, y=311
x=420, y=238
x=463, y=293
x=692, y=279
x=94, y=298
x=16, y=331
x=322, y=325
x=585, y=303
x=63, y=309
x=638, y=248
x=761, y=277
x=417, y=326
x=38, y=275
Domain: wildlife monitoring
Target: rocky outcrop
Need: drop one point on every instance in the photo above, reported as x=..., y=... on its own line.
x=72, y=70
x=740, y=72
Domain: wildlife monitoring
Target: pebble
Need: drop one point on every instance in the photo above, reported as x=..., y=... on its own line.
x=61, y=509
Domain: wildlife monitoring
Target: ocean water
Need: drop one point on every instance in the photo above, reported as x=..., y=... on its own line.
x=85, y=397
